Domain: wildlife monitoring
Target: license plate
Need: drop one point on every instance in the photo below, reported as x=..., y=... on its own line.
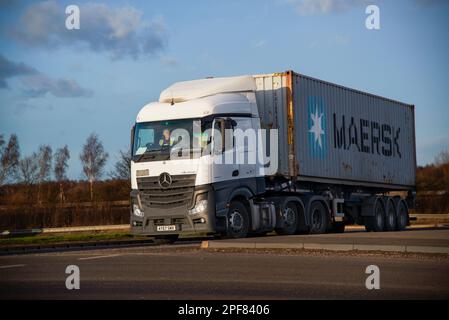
x=166, y=228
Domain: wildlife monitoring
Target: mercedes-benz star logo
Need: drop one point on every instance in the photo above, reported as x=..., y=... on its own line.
x=165, y=180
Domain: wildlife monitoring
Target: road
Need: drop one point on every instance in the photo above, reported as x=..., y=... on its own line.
x=187, y=272
x=433, y=237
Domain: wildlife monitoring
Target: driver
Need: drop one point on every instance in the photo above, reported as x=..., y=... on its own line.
x=165, y=141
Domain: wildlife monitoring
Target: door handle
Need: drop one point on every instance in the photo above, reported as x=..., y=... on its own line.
x=235, y=173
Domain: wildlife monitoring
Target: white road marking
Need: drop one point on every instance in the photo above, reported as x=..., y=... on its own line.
x=100, y=257
x=12, y=266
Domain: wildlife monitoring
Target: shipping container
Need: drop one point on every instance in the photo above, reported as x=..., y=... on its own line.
x=333, y=134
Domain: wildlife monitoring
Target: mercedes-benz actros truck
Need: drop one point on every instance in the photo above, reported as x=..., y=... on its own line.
x=279, y=152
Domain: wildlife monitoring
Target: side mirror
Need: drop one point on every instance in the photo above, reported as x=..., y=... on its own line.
x=131, y=147
x=231, y=123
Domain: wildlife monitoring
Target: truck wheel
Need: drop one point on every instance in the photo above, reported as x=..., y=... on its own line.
x=238, y=221
x=390, y=215
x=290, y=220
x=166, y=239
x=318, y=218
x=376, y=223
x=401, y=216
x=338, y=227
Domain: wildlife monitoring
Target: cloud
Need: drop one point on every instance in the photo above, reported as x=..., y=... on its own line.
x=313, y=44
x=341, y=39
x=426, y=3
x=259, y=43
x=121, y=32
x=169, y=62
x=6, y=3
x=315, y=7
x=9, y=69
x=323, y=7
x=39, y=85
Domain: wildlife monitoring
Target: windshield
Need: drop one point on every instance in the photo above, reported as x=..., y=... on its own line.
x=155, y=141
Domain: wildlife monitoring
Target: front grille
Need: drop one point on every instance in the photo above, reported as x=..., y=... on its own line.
x=179, y=194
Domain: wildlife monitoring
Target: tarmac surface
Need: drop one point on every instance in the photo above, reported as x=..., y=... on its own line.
x=184, y=271
x=417, y=240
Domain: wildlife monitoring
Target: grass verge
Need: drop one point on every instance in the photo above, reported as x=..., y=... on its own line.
x=77, y=237
x=67, y=237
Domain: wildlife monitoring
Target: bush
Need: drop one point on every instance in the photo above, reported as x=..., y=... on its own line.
x=19, y=208
x=28, y=217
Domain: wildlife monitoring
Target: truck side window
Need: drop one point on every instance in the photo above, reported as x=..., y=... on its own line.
x=244, y=124
x=221, y=125
x=230, y=124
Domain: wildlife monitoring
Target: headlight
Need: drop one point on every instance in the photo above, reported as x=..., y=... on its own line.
x=137, y=211
x=200, y=206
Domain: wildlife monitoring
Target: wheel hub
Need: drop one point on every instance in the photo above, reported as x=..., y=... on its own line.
x=316, y=219
x=289, y=216
x=379, y=214
x=236, y=221
x=391, y=217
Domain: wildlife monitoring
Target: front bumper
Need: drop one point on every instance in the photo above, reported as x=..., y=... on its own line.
x=153, y=217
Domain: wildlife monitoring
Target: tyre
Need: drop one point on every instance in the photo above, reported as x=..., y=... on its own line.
x=390, y=215
x=338, y=227
x=166, y=239
x=376, y=222
x=257, y=234
x=402, y=217
x=238, y=220
x=318, y=218
x=290, y=220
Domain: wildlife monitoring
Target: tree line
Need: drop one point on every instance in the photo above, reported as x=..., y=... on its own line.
x=45, y=165
x=38, y=167
x=435, y=177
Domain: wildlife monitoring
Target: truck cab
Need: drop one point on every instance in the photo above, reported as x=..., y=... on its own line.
x=182, y=176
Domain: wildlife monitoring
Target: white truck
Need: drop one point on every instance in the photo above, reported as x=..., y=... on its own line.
x=251, y=154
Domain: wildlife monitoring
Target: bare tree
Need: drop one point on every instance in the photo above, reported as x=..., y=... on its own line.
x=442, y=158
x=9, y=158
x=442, y=164
x=93, y=158
x=44, y=157
x=62, y=155
x=28, y=172
x=122, y=168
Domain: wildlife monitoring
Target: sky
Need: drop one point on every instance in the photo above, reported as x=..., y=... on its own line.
x=57, y=86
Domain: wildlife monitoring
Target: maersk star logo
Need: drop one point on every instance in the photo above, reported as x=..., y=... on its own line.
x=316, y=110
x=317, y=128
